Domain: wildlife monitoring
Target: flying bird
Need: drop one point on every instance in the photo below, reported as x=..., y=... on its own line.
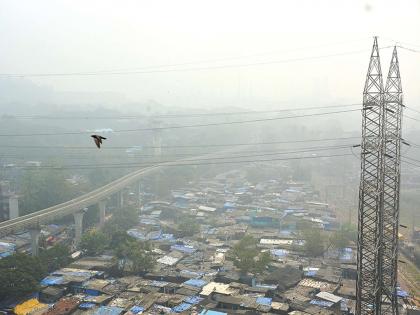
x=98, y=140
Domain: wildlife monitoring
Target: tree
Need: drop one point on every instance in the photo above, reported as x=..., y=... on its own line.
x=94, y=242
x=134, y=254
x=263, y=260
x=122, y=219
x=188, y=226
x=99, y=177
x=247, y=257
x=55, y=257
x=42, y=189
x=91, y=217
x=141, y=261
x=314, y=242
x=342, y=237
x=20, y=275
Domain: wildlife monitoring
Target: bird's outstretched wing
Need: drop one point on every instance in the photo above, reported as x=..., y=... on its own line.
x=98, y=142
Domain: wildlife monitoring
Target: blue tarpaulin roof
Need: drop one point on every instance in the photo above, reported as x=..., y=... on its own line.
x=181, y=307
x=266, y=286
x=199, y=283
x=137, y=309
x=50, y=280
x=183, y=248
x=321, y=303
x=169, y=237
x=279, y=252
x=108, y=310
x=154, y=235
x=5, y=254
x=229, y=205
x=310, y=273
x=148, y=221
x=156, y=283
x=344, y=305
x=192, y=273
x=210, y=312
x=402, y=293
x=345, y=256
x=86, y=305
x=78, y=273
x=264, y=301
x=193, y=299
x=346, y=253
x=136, y=234
x=92, y=292
x=7, y=246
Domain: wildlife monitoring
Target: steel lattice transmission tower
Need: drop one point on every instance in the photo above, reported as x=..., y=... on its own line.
x=392, y=159
x=379, y=190
x=368, y=289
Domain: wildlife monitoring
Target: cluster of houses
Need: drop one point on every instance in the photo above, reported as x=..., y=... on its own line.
x=194, y=274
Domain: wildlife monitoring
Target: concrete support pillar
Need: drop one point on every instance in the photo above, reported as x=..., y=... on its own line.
x=157, y=140
x=13, y=207
x=34, y=233
x=137, y=190
x=78, y=226
x=157, y=144
x=102, y=205
x=121, y=198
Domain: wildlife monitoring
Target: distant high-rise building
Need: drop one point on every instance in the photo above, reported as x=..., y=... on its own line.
x=8, y=202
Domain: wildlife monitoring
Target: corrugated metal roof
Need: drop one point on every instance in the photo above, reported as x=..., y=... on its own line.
x=183, y=248
x=193, y=299
x=264, y=301
x=329, y=297
x=198, y=283
x=108, y=310
x=168, y=260
x=321, y=303
x=217, y=288
x=211, y=312
x=181, y=307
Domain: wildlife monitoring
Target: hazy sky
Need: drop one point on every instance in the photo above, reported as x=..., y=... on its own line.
x=93, y=36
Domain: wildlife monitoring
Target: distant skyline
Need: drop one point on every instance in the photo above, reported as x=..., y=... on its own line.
x=94, y=36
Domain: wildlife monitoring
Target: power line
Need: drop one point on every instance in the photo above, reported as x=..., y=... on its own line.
x=87, y=155
x=412, y=109
x=181, y=146
x=185, y=69
x=174, y=163
x=134, y=117
x=177, y=115
x=184, y=126
x=411, y=159
x=412, y=118
x=417, y=166
x=410, y=165
x=409, y=49
x=230, y=58
x=400, y=42
x=412, y=144
x=259, y=153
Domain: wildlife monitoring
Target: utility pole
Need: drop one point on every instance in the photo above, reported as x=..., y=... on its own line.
x=379, y=190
